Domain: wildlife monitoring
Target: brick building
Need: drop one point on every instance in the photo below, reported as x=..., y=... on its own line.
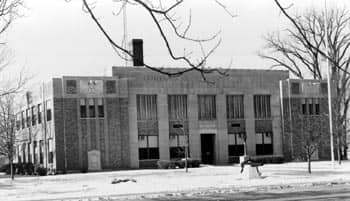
x=132, y=119
x=308, y=100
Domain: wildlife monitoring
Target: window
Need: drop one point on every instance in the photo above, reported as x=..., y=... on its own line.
x=236, y=144
x=146, y=107
x=177, y=107
x=23, y=121
x=324, y=88
x=110, y=87
x=19, y=158
x=262, y=107
x=177, y=144
x=50, y=148
x=310, y=106
x=83, y=109
x=48, y=115
x=35, y=151
x=29, y=153
x=18, y=121
x=71, y=87
x=206, y=107
x=295, y=88
x=33, y=115
x=100, y=108
x=41, y=151
x=148, y=147
x=264, y=145
x=39, y=113
x=24, y=152
x=92, y=112
x=235, y=106
x=28, y=117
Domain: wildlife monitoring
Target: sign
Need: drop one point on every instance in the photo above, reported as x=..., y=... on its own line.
x=94, y=160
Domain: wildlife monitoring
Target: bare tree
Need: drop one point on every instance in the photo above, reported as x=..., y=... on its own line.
x=302, y=48
x=168, y=24
x=8, y=129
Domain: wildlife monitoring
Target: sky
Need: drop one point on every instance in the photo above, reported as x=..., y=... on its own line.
x=56, y=38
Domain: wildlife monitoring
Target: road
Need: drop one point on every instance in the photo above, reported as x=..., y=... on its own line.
x=338, y=192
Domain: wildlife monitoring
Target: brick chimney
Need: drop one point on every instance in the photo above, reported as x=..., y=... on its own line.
x=137, y=51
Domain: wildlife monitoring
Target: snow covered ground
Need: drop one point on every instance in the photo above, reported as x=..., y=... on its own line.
x=165, y=181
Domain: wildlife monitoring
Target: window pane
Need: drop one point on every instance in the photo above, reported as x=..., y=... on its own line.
x=177, y=107
x=268, y=138
x=152, y=141
x=153, y=153
x=259, y=138
x=240, y=138
x=92, y=112
x=146, y=107
x=182, y=140
x=142, y=141
x=71, y=87
x=206, y=107
x=262, y=106
x=177, y=152
x=48, y=117
x=235, y=106
x=173, y=141
x=231, y=139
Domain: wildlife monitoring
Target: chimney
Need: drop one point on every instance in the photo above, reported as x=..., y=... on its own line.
x=137, y=51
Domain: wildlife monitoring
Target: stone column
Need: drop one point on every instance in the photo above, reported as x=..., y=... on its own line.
x=133, y=134
x=195, y=145
x=221, y=136
x=250, y=124
x=163, y=126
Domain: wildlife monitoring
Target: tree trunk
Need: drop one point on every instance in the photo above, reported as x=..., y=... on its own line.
x=309, y=164
x=339, y=149
x=11, y=170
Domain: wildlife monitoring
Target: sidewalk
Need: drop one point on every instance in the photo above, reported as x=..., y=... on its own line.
x=168, y=181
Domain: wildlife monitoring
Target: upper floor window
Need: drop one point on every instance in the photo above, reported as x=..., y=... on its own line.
x=295, y=88
x=71, y=86
x=100, y=108
x=28, y=117
x=92, y=112
x=262, y=106
x=110, y=86
x=310, y=106
x=235, y=106
x=23, y=120
x=206, y=107
x=146, y=107
x=83, y=109
x=33, y=115
x=48, y=115
x=39, y=113
x=177, y=107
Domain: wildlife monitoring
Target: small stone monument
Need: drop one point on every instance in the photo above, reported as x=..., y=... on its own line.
x=94, y=160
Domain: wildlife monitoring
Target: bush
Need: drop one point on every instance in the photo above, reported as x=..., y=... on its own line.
x=41, y=171
x=20, y=168
x=165, y=164
x=29, y=168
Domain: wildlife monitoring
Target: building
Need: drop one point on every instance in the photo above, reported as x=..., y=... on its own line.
x=308, y=100
x=132, y=119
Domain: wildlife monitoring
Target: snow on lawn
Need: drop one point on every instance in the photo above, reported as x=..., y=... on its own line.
x=159, y=181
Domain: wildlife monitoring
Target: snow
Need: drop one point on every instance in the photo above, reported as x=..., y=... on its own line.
x=165, y=181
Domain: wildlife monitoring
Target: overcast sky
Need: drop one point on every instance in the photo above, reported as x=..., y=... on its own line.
x=57, y=38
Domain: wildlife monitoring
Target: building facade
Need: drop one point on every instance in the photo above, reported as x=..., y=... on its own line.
x=138, y=116
x=304, y=106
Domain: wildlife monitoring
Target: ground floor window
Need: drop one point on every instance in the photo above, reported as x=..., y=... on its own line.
x=236, y=144
x=264, y=143
x=148, y=147
x=177, y=146
x=41, y=151
x=35, y=152
x=50, y=148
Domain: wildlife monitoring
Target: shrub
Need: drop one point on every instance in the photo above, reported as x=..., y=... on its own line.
x=29, y=168
x=41, y=171
x=20, y=169
x=163, y=164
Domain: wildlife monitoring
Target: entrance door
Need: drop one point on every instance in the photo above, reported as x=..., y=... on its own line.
x=207, y=148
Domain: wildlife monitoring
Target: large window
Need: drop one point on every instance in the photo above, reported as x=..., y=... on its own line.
x=92, y=112
x=148, y=147
x=236, y=144
x=39, y=113
x=48, y=115
x=71, y=86
x=310, y=106
x=23, y=121
x=41, y=151
x=235, y=106
x=177, y=107
x=206, y=107
x=34, y=113
x=146, y=107
x=264, y=143
x=28, y=117
x=100, y=108
x=50, y=148
x=262, y=106
x=177, y=146
x=83, y=108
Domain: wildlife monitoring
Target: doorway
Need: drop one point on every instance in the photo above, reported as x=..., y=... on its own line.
x=207, y=148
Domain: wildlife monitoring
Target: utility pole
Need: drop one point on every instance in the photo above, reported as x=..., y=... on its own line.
x=329, y=80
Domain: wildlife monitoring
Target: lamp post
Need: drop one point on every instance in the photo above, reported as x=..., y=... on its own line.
x=181, y=126
x=330, y=115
